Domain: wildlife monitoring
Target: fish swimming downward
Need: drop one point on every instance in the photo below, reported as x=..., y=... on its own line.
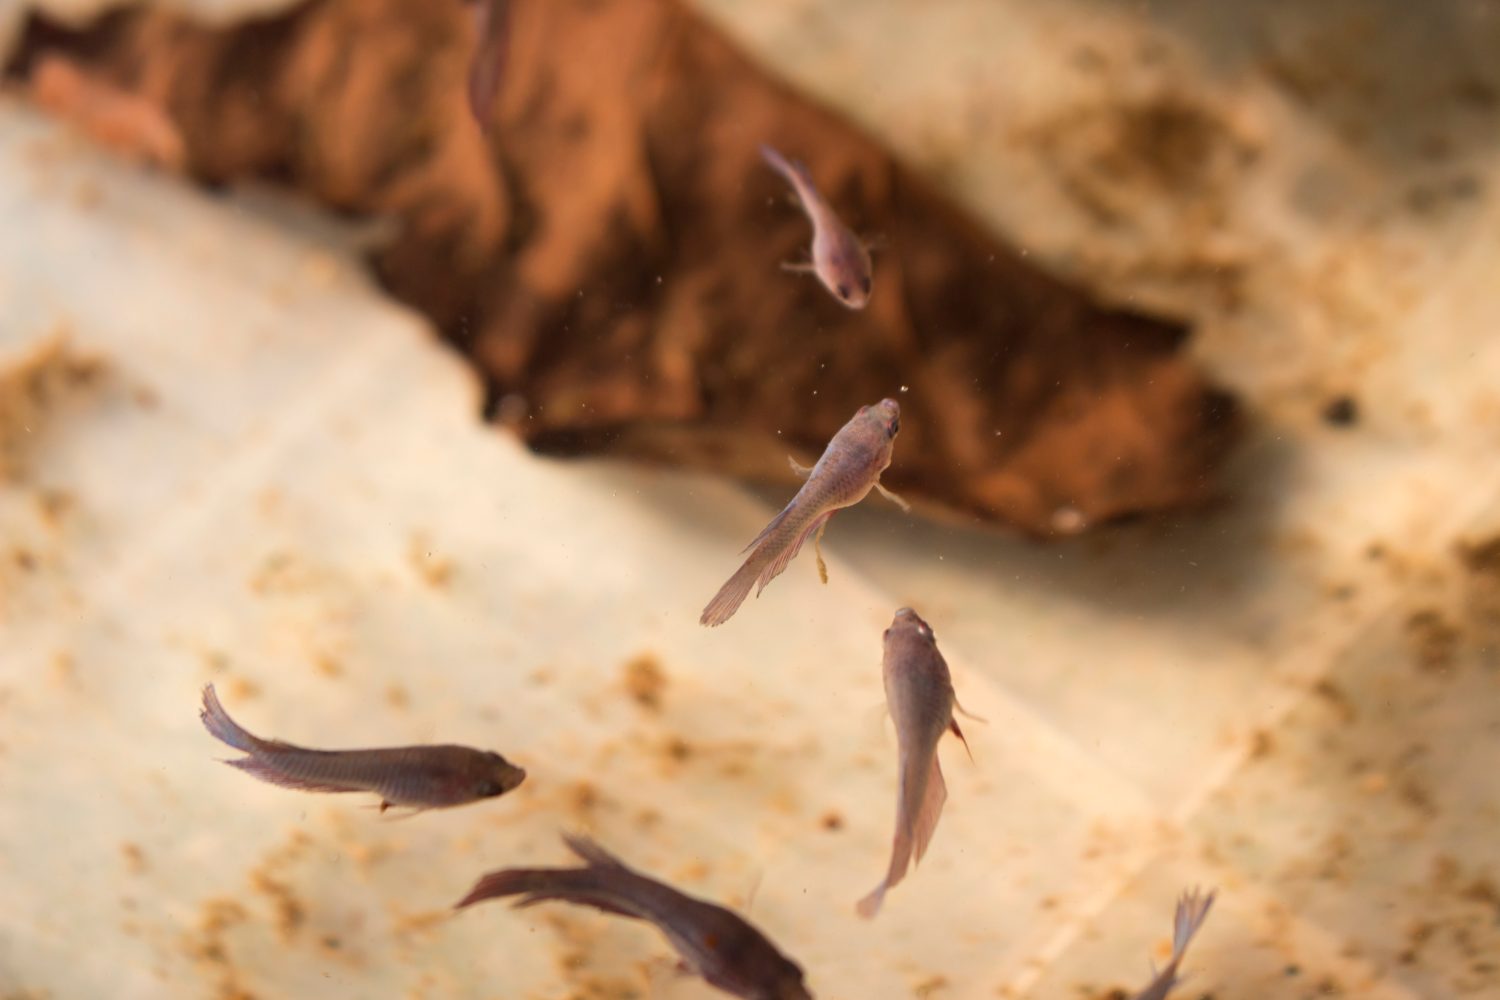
x=839, y=259
x=919, y=692
x=415, y=777
x=713, y=942
x=849, y=468
x=1192, y=910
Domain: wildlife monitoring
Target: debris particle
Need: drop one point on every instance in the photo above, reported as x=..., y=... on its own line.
x=1434, y=639
x=434, y=570
x=134, y=858
x=645, y=681
x=832, y=821
x=325, y=664
x=1341, y=411
x=1261, y=744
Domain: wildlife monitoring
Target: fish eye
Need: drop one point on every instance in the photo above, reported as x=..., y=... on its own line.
x=843, y=291
x=893, y=427
x=866, y=284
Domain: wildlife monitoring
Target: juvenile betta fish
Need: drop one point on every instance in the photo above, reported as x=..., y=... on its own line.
x=919, y=692
x=419, y=777
x=713, y=942
x=1192, y=910
x=839, y=260
x=487, y=68
x=849, y=468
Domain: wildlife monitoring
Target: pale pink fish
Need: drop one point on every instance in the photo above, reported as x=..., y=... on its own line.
x=715, y=943
x=1192, y=910
x=919, y=692
x=839, y=259
x=488, y=64
x=849, y=468
x=416, y=777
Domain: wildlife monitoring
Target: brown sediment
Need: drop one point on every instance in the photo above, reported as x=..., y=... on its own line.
x=608, y=255
x=645, y=681
x=1434, y=639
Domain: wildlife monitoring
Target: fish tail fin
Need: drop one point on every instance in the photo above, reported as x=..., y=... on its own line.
x=926, y=820
x=787, y=554
x=870, y=905
x=730, y=596
x=1192, y=911
x=953, y=728
x=597, y=887
x=222, y=727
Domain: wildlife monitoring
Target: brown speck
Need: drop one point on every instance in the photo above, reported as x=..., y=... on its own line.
x=23, y=558
x=930, y=986
x=434, y=570
x=832, y=821
x=645, y=681
x=1434, y=639
x=583, y=797
x=242, y=689
x=1341, y=411
x=55, y=506
x=290, y=913
x=1374, y=783
x=677, y=749
x=325, y=664
x=396, y=696
x=1261, y=744
x=134, y=858
x=1336, y=699
x=64, y=669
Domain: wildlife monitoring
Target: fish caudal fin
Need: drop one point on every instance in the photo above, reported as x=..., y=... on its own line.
x=926, y=820
x=1192, y=910
x=795, y=173
x=921, y=804
x=222, y=727
x=763, y=565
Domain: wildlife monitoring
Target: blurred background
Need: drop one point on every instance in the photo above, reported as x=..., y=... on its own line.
x=403, y=425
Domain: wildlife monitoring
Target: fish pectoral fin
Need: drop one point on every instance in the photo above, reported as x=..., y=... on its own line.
x=968, y=714
x=802, y=471
x=875, y=243
x=893, y=498
x=953, y=728
x=798, y=267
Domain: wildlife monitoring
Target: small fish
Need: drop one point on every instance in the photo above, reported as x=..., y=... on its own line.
x=713, y=942
x=419, y=777
x=487, y=69
x=850, y=466
x=839, y=259
x=919, y=691
x=1192, y=910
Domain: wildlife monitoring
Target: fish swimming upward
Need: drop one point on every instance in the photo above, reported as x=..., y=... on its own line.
x=839, y=260
x=1192, y=910
x=919, y=692
x=849, y=468
x=713, y=942
x=416, y=777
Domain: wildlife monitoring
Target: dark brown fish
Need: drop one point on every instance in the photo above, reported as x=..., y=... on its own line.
x=712, y=941
x=417, y=777
x=839, y=259
x=849, y=468
x=487, y=69
x=1192, y=910
x=919, y=692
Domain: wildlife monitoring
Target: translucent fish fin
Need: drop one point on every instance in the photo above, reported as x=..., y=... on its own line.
x=798, y=267
x=786, y=555
x=802, y=471
x=818, y=551
x=222, y=727
x=926, y=820
x=953, y=728
x=893, y=498
x=775, y=523
x=966, y=713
